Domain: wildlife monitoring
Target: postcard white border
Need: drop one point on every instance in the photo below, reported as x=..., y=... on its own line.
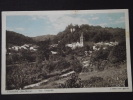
x=65, y=90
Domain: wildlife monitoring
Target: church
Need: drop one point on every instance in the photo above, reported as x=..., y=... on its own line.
x=76, y=44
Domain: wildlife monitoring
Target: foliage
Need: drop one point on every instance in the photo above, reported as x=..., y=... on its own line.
x=43, y=37
x=79, y=51
x=43, y=51
x=118, y=53
x=51, y=66
x=62, y=64
x=27, y=55
x=100, y=55
x=91, y=34
x=73, y=82
x=103, y=36
x=11, y=59
x=20, y=75
x=76, y=65
x=13, y=38
x=19, y=57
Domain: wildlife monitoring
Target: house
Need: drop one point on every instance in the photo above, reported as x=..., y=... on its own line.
x=53, y=52
x=15, y=48
x=95, y=48
x=32, y=49
x=26, y=45
x=54, y=45
x=23, y=47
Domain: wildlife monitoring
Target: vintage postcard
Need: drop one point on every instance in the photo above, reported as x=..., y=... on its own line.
x=71, y=51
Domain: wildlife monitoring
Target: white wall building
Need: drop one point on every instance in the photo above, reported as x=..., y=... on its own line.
x=76, y=44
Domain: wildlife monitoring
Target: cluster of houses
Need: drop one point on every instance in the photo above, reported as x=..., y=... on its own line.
x=104, y=45
x=100, y=45
x=53, y=45
x=74, y=45
x=24, y=47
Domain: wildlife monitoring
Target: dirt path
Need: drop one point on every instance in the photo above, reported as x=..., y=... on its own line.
x=47, y=80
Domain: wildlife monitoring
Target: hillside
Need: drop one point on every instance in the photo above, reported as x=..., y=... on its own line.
x=117, y=79
x=43, y=37
x=93, y=69
x=13, y=38
x=90, y=33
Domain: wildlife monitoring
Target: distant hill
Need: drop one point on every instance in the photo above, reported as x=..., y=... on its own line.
x=43, y=37
x=13, y=38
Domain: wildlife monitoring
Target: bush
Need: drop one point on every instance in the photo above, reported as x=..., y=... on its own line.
x=73, y=82
x=76, y=66
x=62, y=64
x=100, y=55
x=8, y=60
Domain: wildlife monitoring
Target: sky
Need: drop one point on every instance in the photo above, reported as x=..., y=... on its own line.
x=36, y=25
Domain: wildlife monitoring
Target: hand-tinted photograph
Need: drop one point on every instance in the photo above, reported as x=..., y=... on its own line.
x=65, y=51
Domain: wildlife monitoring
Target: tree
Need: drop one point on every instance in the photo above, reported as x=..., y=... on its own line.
x=118, y=53
x=73, y=82
x=103, y=36
x=17, y=38
x=76, y=65
x=91, y=34
x=43, y=51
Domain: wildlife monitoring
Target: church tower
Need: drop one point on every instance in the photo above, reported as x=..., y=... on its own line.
x=81, y=40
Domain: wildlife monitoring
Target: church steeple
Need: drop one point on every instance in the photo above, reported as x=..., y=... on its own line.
x=81, y=39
